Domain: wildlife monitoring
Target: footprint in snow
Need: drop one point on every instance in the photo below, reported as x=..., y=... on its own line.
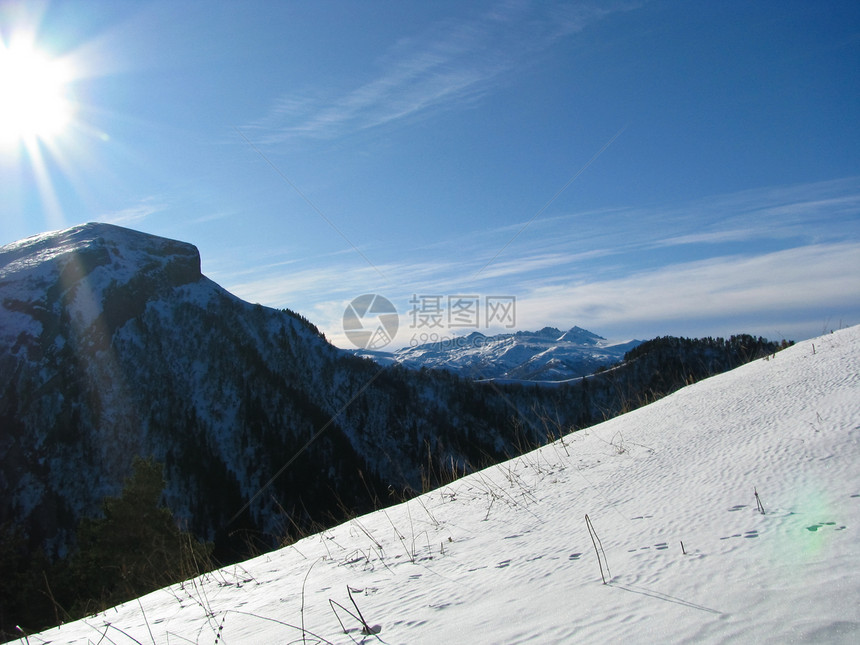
x=503, y=564
x=821, y=525
x=737, y=507
x=574, y=556
x=748, y=535
x=660, y=546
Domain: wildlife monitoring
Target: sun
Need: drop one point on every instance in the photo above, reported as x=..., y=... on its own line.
x=34, y=101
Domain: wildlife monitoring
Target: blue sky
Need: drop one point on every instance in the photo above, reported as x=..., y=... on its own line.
x=634, y=168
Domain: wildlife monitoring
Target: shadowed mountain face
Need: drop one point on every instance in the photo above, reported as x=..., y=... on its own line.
x=113, y=345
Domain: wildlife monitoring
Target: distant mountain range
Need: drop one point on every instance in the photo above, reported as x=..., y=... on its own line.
x=546, y=355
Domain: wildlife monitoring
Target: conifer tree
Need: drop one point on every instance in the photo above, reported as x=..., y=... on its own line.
x=136, y=547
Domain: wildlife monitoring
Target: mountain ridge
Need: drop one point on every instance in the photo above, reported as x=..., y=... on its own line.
x=547, y=355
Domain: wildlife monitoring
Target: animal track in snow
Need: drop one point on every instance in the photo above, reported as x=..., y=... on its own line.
x=821, y=525
x=660, y=546
x=748, y=534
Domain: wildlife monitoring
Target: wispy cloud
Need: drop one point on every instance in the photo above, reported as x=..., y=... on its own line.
x=213, y=217
x=807, y=213
x=768, y=255
x=545, y=263
x=136, y=213
x=817, y=279
x=714, y=237
x=449, y=64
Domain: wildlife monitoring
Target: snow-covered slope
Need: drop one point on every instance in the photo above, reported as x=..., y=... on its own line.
x=544, y=355
x=505, y=556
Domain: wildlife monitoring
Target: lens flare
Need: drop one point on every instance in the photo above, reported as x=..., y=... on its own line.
x=33, y=94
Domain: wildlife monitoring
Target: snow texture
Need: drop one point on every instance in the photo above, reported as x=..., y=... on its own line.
x=672, y=491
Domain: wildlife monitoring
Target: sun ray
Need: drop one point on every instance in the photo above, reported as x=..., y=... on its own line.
x=38, y=113
x=53, y=211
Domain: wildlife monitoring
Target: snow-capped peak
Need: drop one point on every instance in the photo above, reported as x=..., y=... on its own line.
x=581, y=336
x=74, y=268
x=544, y=355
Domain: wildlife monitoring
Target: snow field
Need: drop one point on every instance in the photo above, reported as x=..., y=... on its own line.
x=504, y=555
